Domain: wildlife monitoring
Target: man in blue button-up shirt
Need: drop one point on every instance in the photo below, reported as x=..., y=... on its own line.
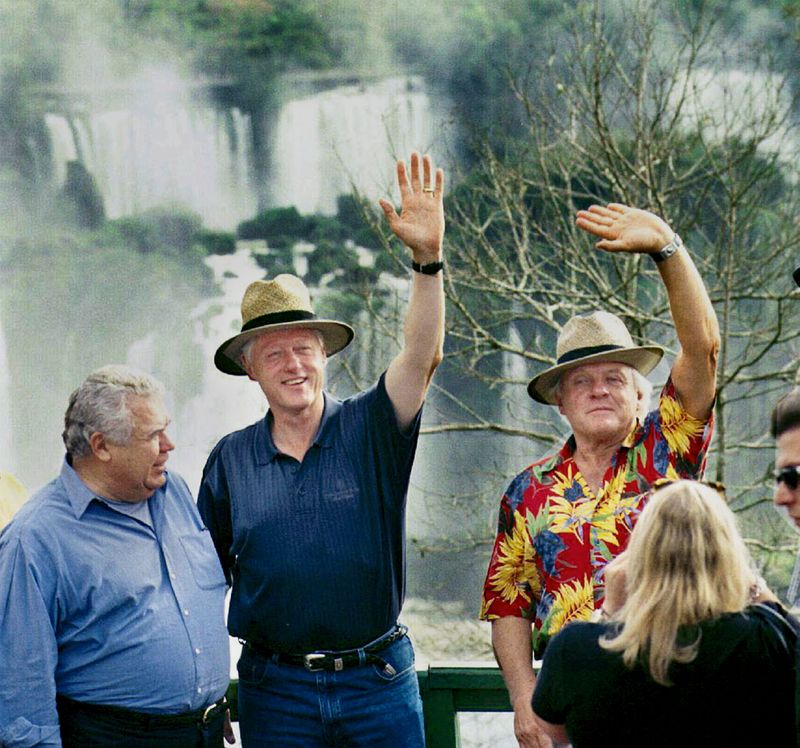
x=111, y=594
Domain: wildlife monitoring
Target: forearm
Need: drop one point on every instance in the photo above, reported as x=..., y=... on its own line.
x=423, y=335
x=511, y=642
x=695, y=369
x=409, y=375
x=690, y=306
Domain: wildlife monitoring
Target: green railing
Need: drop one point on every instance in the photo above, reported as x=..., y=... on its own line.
x=446, y=690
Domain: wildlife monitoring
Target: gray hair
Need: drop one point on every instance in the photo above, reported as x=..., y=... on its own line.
x=100, y=404
x=244, y=354
x=643, y=386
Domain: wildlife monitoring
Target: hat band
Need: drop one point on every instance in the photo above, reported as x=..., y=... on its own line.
x=277, y=318
x=584, y=352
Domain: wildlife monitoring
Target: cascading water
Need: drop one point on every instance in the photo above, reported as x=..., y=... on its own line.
x=224, y=403
x=174, y=151
x=171, y=153
x=347, y=134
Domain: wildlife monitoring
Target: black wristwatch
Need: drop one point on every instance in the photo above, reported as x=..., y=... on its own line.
x=430, y=269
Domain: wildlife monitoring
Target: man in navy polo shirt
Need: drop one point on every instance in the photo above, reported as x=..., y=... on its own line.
x=307, y=507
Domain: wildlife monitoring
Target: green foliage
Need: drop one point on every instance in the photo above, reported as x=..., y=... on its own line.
x=216, y=242
x=168, y=231
x=227, y=33
x=275, y=222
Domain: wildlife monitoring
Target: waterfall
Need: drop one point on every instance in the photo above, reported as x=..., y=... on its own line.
x=169, y=150
x=170, y=153
x=347, y=134
x=223, y=403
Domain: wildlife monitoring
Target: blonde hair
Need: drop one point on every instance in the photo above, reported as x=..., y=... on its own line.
x=687, y=563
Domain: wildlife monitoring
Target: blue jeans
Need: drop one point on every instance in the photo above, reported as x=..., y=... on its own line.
x=285, y=705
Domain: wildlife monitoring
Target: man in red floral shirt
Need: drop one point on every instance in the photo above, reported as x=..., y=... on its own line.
x=564, y=517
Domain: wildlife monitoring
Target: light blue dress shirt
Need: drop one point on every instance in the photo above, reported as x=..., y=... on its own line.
x=107, y=608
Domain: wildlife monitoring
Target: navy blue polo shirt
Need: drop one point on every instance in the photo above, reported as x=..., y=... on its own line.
x=315, y=550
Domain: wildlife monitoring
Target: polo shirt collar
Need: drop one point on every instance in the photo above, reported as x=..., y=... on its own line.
x=266, y=451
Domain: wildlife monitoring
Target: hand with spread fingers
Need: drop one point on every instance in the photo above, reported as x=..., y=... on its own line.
x=625, y=229
x=420, y=224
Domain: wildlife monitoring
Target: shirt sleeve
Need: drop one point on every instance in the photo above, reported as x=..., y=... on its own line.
x=684, y=440
x=385, y=445
x=512, y=585
x=214, y=505
x=28, y=715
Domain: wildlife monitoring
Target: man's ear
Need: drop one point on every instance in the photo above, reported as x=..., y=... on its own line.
x=99, y=445
x=245, y=364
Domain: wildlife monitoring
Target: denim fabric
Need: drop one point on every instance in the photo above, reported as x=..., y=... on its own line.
x=285, y=705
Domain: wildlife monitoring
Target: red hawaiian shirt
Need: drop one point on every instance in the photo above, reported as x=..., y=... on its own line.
x=554, y=536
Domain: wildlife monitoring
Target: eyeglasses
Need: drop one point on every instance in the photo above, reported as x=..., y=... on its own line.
x=716, y=485
x=790, y=475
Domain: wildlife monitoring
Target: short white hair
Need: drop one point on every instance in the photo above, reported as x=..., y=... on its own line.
x=101, y=404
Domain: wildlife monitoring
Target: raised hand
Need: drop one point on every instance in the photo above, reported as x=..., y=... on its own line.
x=420, y=224
x=625, y=229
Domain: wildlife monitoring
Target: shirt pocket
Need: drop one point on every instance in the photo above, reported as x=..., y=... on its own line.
x=203, y=560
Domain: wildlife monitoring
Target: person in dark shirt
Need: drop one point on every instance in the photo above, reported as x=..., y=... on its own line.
x=307, y=507
x=693, y=649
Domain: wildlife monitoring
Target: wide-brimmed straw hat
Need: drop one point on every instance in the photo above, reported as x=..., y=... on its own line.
x=591, y=338
x=278, y=304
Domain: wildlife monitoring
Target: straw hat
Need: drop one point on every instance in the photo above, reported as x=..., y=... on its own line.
x=595, y=337
x=278, y=304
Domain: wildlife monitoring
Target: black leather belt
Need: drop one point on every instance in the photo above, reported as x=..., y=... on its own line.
x=145, y=720
x=338, y=660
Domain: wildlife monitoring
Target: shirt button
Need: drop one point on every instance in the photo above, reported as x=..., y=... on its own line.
x=185, y=612
x=173, y=575
x=197, y=650
x=199, y=690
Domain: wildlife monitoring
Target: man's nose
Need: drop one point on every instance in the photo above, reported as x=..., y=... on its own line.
x=167, y=445
x=599, y=388
x=783, y=495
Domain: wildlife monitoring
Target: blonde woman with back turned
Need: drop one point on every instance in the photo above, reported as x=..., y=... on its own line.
x=690, y=650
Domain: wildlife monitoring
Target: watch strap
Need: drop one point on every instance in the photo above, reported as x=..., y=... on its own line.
x=668, y=250
x=430, y=269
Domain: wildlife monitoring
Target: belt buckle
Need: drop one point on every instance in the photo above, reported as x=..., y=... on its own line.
x=210, y=710
x=310, y=659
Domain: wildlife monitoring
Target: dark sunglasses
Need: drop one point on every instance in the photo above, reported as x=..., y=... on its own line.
x=664, y=482
x=788, y=475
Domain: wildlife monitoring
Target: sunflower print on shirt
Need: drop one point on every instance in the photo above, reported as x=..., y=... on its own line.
x=554, y=536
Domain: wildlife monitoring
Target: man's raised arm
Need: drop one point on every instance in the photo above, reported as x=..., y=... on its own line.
x=625, y=229
x=420, y=226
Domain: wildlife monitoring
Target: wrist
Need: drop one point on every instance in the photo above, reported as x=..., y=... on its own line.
x=667, y=250
x=427, y=268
